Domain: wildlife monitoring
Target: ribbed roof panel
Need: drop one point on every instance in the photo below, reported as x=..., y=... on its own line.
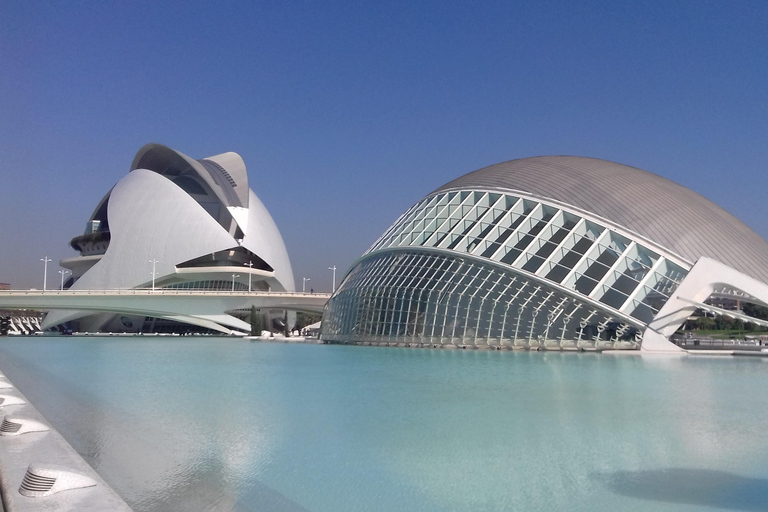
x=661, y=210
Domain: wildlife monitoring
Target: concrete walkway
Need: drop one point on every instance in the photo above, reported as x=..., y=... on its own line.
x=39, y=470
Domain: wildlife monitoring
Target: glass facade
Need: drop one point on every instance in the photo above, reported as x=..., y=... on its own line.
x=479, y=267
x=211, y=285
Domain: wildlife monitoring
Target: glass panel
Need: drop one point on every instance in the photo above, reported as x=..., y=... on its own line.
x=433, y=299
x=612, y=297
x=557, y=272
x=643, y=312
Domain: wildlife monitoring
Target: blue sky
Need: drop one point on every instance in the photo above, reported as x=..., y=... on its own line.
x=346, y=113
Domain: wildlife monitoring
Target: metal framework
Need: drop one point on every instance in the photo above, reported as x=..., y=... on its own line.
x=473, y=267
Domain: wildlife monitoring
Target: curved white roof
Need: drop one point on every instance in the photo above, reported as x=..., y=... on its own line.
x=675, y=217
x=152, y=218
x=174, y=209
x=263, y=238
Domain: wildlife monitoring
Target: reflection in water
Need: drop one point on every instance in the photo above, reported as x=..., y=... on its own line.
x=156, y=456
x=222, y=424
x=701, y=487
x=205, y=487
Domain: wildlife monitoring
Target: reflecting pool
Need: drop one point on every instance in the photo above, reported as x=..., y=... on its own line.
x=224, y=424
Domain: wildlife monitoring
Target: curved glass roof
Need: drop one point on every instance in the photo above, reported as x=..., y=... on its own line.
x=582, y=256
x=677, y=218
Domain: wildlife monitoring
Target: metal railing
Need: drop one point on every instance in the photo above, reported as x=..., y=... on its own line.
x=718, y=343
x=162, y=291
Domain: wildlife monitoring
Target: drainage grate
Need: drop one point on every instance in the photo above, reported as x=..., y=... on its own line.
x=10, y=427
x=44, y=480
x=18, y=425
x=10, y=400
x=36, y=485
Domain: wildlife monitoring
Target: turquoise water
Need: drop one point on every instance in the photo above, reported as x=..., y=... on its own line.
x=220, y=424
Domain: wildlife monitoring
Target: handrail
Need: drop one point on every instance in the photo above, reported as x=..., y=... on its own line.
x=162, y=291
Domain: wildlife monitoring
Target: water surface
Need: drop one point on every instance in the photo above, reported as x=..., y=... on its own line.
x=179, y=424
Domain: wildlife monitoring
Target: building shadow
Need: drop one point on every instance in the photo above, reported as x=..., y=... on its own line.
x=699, y=487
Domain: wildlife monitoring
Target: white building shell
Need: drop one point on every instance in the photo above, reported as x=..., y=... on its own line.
x=200, y=223
x=548, y=252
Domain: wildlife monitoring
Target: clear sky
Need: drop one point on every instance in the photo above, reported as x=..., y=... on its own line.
x=346, y=113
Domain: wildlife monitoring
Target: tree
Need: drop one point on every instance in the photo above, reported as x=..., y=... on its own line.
x=304, y=319
x=704, y=323
x=723, y=323
x=754, y=310
x=256, y=322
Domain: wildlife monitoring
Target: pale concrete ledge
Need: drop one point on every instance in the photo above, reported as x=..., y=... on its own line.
x=47, y=452
x=748, y=353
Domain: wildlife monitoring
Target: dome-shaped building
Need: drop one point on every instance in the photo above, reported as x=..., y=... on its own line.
x=177, y=222
x=548, y=253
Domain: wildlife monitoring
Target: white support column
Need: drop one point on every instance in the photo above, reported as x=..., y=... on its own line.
x=524, y=250
x=477, y=229
x=697, y=286
x=566, y=320
x=600, y=328
x=477, y=289
x=440, y=295
x=536, y=312
x=448, y=303
x=410, y=289
x=583, y=323
x=520, y=290
x=641, y=284
x=420, y=222
x=518, y=230
x=553, y=315
x=543, y=268
x=606, y=232
x=594, y=293
x=482, y=305
x=521, y=309
x=469, y=202
x=442, y=209
x=511, y=211
x=512, y=216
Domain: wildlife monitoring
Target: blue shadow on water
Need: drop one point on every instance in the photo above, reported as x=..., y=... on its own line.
x=700, y=487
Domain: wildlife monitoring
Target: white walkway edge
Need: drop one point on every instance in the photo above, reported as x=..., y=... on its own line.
x=46, y=449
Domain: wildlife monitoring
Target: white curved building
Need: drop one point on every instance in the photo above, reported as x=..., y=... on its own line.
x=549, y=253
x=197, y=220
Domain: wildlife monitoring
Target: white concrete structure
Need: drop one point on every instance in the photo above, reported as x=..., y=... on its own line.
x=188, y=306
x=548, y=253
x=40, y=470
x=176, y=223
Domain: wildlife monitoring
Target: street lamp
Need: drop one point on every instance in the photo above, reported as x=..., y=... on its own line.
x=63, y=273
x=45, y=271
x=334, y=277
x=154, y=274
x=250, y=267
x=233, y=281
x=304, y=284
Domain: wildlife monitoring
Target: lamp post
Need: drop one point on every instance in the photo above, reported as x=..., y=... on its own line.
x=154, y=274
x=233, y=281
x=334, y=277
x=250, y=267
x=63, y=273
x=45, y=271
x=304, y=284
